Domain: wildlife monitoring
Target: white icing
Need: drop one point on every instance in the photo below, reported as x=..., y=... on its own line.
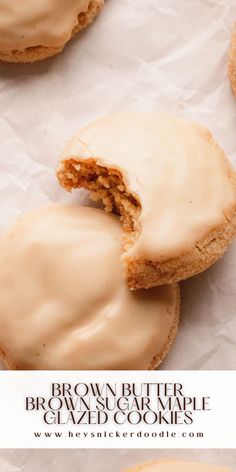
x=173, y=167
x=31, y=23
x=64, y=302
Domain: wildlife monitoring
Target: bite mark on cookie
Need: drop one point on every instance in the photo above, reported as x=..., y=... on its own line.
x=107, y=185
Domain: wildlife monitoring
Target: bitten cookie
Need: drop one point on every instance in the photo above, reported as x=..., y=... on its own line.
x=64, y=302
x=171, y=184
x=232, y=61
x=33, y=30
x=176, y=466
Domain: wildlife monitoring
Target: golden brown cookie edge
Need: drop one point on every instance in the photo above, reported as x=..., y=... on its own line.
x=232, y=62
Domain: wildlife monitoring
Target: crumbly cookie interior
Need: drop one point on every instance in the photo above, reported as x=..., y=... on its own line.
x=106, y=185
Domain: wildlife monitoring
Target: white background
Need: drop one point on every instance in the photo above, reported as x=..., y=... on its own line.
x=163, y=55
x=18, y=426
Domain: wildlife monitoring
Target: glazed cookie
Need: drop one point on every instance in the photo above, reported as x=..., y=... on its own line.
x=64, y=303
x=176, y=466
x=34, y=30
x=171, y=184
x=232, y=62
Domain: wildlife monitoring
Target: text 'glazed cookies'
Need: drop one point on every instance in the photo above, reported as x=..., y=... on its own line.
x=33, y=30
x=64, y=302
x=176, y=466
x=171, y=184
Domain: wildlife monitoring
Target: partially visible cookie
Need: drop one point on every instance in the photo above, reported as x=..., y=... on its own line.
x=64, y=302
x=168, y=180
x=232, y=62
x=34, y=30
x=176, y=466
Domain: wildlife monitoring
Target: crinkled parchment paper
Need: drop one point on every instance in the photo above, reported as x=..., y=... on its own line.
x=163, y=55
x=103, y=461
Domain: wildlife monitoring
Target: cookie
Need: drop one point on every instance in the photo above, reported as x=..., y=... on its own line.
x=32, y=30
x=176, y=466
x=232, y=62
x=171, y=184
x=64, y=302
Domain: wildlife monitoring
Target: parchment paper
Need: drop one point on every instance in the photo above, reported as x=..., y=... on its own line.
x=103, y=460
x=163, y=55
